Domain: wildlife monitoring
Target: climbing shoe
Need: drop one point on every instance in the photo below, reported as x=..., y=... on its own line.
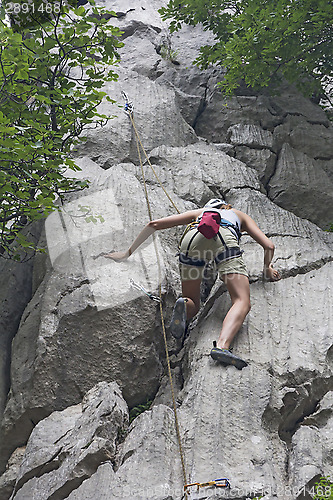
x=226, y=357
x=178, y=320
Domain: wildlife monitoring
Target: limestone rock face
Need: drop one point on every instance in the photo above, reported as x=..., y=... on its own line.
x=263, y=131
x=87, y=337
x=313, y=140
x=87, y=309
x=15, y=291
x=251, y=135
x=262, y=160
x=67, y=447
x=8, y=478
x=313, y=185
x=203, y=168
x=155, y=108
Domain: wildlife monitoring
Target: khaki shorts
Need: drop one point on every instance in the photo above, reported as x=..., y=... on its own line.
x=206, y=250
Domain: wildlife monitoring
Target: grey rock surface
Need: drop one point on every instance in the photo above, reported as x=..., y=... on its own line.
x=89, y=342
x=58, y=350
x=205, y=172
x=250, y=135
x=262, y=160
x=148, y=466
x=15, y=293
x=9, y=477
x=16, y=284
x=260, y=127
x=292, y=104
x=67, y=447
x=313, y=140
x=155, y=109
x=313, y=186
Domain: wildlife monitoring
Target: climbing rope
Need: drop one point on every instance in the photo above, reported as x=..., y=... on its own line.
x=217, y=483
x=129, y=111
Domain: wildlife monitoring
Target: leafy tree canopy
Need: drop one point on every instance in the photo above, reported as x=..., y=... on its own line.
x=53, y=65
x=261, y=42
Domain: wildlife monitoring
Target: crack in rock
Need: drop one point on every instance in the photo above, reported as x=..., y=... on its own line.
x=301, y=402
x=53, y=464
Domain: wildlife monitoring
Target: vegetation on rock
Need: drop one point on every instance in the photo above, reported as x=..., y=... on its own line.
x=323, y=490
x=262, y=42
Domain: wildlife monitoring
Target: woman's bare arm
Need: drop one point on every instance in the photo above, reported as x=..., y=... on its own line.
x=248, y=225
x=151, y=227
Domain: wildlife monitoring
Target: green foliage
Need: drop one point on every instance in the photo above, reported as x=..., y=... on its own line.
x=262, y=42
x=167, y=53
x=50, y=79
x=137, y=410
x=323, y=490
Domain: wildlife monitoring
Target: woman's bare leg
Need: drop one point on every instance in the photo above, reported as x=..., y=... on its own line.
x=239, y=289
x=191, y=292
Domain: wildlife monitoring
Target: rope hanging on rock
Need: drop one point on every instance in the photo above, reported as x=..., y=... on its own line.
x=129, y=111
x=217, y=483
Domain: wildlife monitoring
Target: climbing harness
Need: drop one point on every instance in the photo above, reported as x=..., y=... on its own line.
x=142, y=289
x=191, y=261
x=209, y=227
x=128, y=109
x=226, y=254
x=231, y=226
x=218, y=483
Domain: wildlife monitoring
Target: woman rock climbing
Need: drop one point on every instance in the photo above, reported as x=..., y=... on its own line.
x=212, y=234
